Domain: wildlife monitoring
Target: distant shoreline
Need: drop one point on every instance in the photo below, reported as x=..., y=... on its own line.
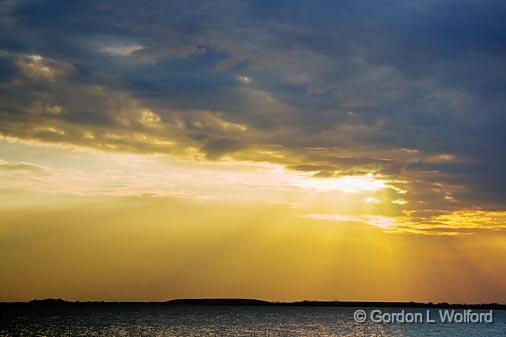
x=255, y=302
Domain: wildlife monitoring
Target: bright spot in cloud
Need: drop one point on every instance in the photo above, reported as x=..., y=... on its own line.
x=379, y=220
x=123, y=50
x=149, y=119
x=244, y=79
x=34, y=67
x=348, y=184
x=373, y=220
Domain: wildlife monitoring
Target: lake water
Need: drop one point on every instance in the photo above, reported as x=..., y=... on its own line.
x=194, y=321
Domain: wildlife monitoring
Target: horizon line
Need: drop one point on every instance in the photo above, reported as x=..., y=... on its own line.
x=259, y=302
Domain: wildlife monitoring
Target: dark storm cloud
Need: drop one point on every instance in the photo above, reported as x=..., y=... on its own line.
x=395, y=84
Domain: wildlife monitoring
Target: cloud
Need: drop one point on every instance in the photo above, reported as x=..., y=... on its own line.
x=409, y=91
x=373, y=220
x=74, y=182
x=16, y=168
x=121, y=50
x=448, y=223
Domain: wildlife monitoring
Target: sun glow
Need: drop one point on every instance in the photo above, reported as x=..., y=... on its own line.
x=379, y=221
x=348, y=184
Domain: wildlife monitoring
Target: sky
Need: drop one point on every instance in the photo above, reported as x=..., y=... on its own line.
x=289, y=150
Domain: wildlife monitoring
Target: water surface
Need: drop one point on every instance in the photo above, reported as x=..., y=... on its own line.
x=194, y=321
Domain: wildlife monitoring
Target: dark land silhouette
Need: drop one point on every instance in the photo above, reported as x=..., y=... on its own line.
x=254, y=302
